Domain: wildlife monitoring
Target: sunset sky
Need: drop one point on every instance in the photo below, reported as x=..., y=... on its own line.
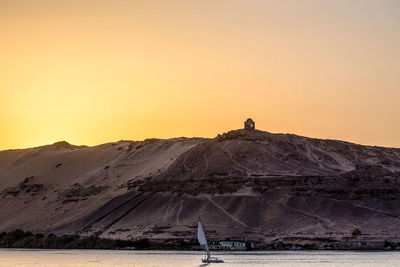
x=91, y=72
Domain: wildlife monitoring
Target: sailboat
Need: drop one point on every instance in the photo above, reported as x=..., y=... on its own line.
x=203, y=242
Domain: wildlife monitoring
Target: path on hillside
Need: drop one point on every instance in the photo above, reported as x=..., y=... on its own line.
x=226, y=212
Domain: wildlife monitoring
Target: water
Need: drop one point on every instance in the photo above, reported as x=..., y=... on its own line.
x=110, y=258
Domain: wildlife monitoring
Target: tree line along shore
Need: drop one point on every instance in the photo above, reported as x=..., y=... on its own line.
x=26, y=239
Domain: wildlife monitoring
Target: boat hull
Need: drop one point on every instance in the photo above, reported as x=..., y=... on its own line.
x=212, y=260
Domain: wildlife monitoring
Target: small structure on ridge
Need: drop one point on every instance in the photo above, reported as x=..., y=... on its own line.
x=249, y=124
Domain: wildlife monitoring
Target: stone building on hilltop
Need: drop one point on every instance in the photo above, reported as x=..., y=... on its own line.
x=249, y=124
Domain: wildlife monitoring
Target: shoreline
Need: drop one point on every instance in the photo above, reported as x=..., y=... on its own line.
x=200, y=252
x=18, y=239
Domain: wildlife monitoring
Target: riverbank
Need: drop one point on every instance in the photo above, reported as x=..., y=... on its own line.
x=26, y=239
x=22, y=239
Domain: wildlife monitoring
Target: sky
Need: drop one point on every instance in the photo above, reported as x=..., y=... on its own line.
x=95, y=71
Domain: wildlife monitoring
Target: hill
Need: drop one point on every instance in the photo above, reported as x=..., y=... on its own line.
x=243, y=184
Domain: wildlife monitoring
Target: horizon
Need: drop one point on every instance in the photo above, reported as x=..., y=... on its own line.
x=90, y=72
x=190, y=137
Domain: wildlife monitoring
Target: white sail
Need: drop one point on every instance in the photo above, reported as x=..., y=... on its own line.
x=202, y=239
x=203, y=242
x=200, y=235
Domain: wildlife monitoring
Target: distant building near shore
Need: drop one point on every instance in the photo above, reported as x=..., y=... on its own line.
x=249, y=124
x=229, y=245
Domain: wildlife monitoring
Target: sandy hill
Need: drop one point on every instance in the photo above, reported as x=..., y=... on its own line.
x=244, y=183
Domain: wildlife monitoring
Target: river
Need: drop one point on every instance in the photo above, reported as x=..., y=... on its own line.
x=111, y=258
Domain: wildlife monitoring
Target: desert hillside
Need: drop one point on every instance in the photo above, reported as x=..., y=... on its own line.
x=243, y=184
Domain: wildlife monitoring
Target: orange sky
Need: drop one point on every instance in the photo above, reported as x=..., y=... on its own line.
x=97, y=71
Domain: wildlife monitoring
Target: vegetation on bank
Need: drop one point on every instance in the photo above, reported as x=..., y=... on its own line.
x=21, y=239
x=356, y=232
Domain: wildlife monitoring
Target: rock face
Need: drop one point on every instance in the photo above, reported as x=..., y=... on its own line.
x=242, y=184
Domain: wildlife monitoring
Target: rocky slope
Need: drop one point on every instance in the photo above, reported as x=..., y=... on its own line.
x=244, y=183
